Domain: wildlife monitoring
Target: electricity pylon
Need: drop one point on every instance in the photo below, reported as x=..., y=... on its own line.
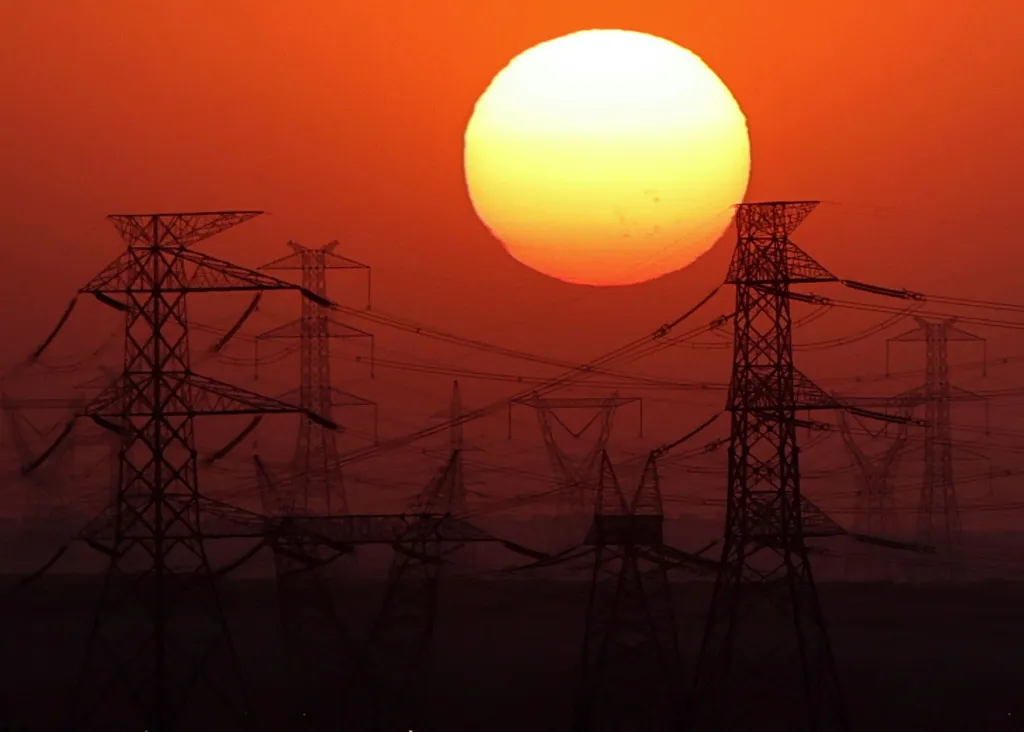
x=630, y=665
x=938, y=513
x=401, y=637
x=321, y=487
x=876, y=505
x=765, y=661
x=576, y=474
x=160, y=623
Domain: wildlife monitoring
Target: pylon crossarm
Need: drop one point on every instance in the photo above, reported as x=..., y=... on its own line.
x=176, y=229
x=118, y=276
x=295, y=260
x=212, y=397
x=219, y=275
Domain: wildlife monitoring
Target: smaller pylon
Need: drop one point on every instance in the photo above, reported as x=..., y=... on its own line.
x=938, y=522
x=631, y=669
x=455, y=499
x=876, y=505
x=401, y=638
x=321, y=489
x=575, y=471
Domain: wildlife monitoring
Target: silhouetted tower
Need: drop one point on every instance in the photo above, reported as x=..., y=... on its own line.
x=876, y=505
x=321, y=487
x=938, y=517
x=455, y=499
x=160, y=625
x=631, y=668
x=765, y=660
x=401, y=638
x=577, y=474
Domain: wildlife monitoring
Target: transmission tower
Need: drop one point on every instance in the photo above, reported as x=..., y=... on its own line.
x=150, y=660
x=938, y=512
x=455, y=499
x=765, y=660
x=321, y=489
x=577, y=474
x=876, y=505
x=631, y=667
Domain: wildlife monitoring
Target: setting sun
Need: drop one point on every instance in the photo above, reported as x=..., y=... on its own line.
x=607, y=157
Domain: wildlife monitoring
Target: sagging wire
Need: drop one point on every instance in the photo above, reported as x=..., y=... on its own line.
x=235, y=441
x=233, y=330
x=572, y=375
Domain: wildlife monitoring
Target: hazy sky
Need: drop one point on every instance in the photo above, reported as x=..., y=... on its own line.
x=344, y=120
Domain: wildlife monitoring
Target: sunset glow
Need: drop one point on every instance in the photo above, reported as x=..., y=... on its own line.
x=607, y=157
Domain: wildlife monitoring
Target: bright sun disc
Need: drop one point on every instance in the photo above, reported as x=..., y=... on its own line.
x=607, y=157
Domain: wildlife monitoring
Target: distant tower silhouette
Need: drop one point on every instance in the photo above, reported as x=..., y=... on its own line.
x=765, y=661
x=46, y=500
x=631, y=667
x=455, y=499
x=577, y=475
x=876, y=505
x=321, y=487
x=938, y=518
x=158, y=570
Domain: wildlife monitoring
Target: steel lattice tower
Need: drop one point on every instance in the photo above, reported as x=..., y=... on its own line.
x=160, y=626
x=577, y=475
x=321, y=488
x=938, y=513
x=876, y=505
x=630, y=665
x=401, y=638
x=765, y=661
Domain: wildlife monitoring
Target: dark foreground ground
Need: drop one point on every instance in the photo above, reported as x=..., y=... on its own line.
x=912, y=659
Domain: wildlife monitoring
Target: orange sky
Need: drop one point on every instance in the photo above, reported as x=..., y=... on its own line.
x=345, y=120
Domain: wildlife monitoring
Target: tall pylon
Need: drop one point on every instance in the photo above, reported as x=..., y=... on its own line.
x=630, y=666
x=160, y=627
x=876, y=505
x=320, y=489
x=938, y=512
x=765, y=661
x=577, y=474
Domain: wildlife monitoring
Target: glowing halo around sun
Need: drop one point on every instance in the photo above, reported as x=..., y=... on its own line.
x=607, y=157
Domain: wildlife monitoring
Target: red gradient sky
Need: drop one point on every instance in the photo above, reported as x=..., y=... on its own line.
x=344, y=120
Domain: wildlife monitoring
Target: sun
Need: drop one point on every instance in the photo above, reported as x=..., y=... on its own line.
x=607, y=157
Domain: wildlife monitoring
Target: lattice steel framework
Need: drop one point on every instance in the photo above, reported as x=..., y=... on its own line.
x=876, y=504
x=321, y=486
x=577, y=474
x=765, y=662
x=938, y=512
x=160, y=626
x=401, y=638
x=630, y=665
